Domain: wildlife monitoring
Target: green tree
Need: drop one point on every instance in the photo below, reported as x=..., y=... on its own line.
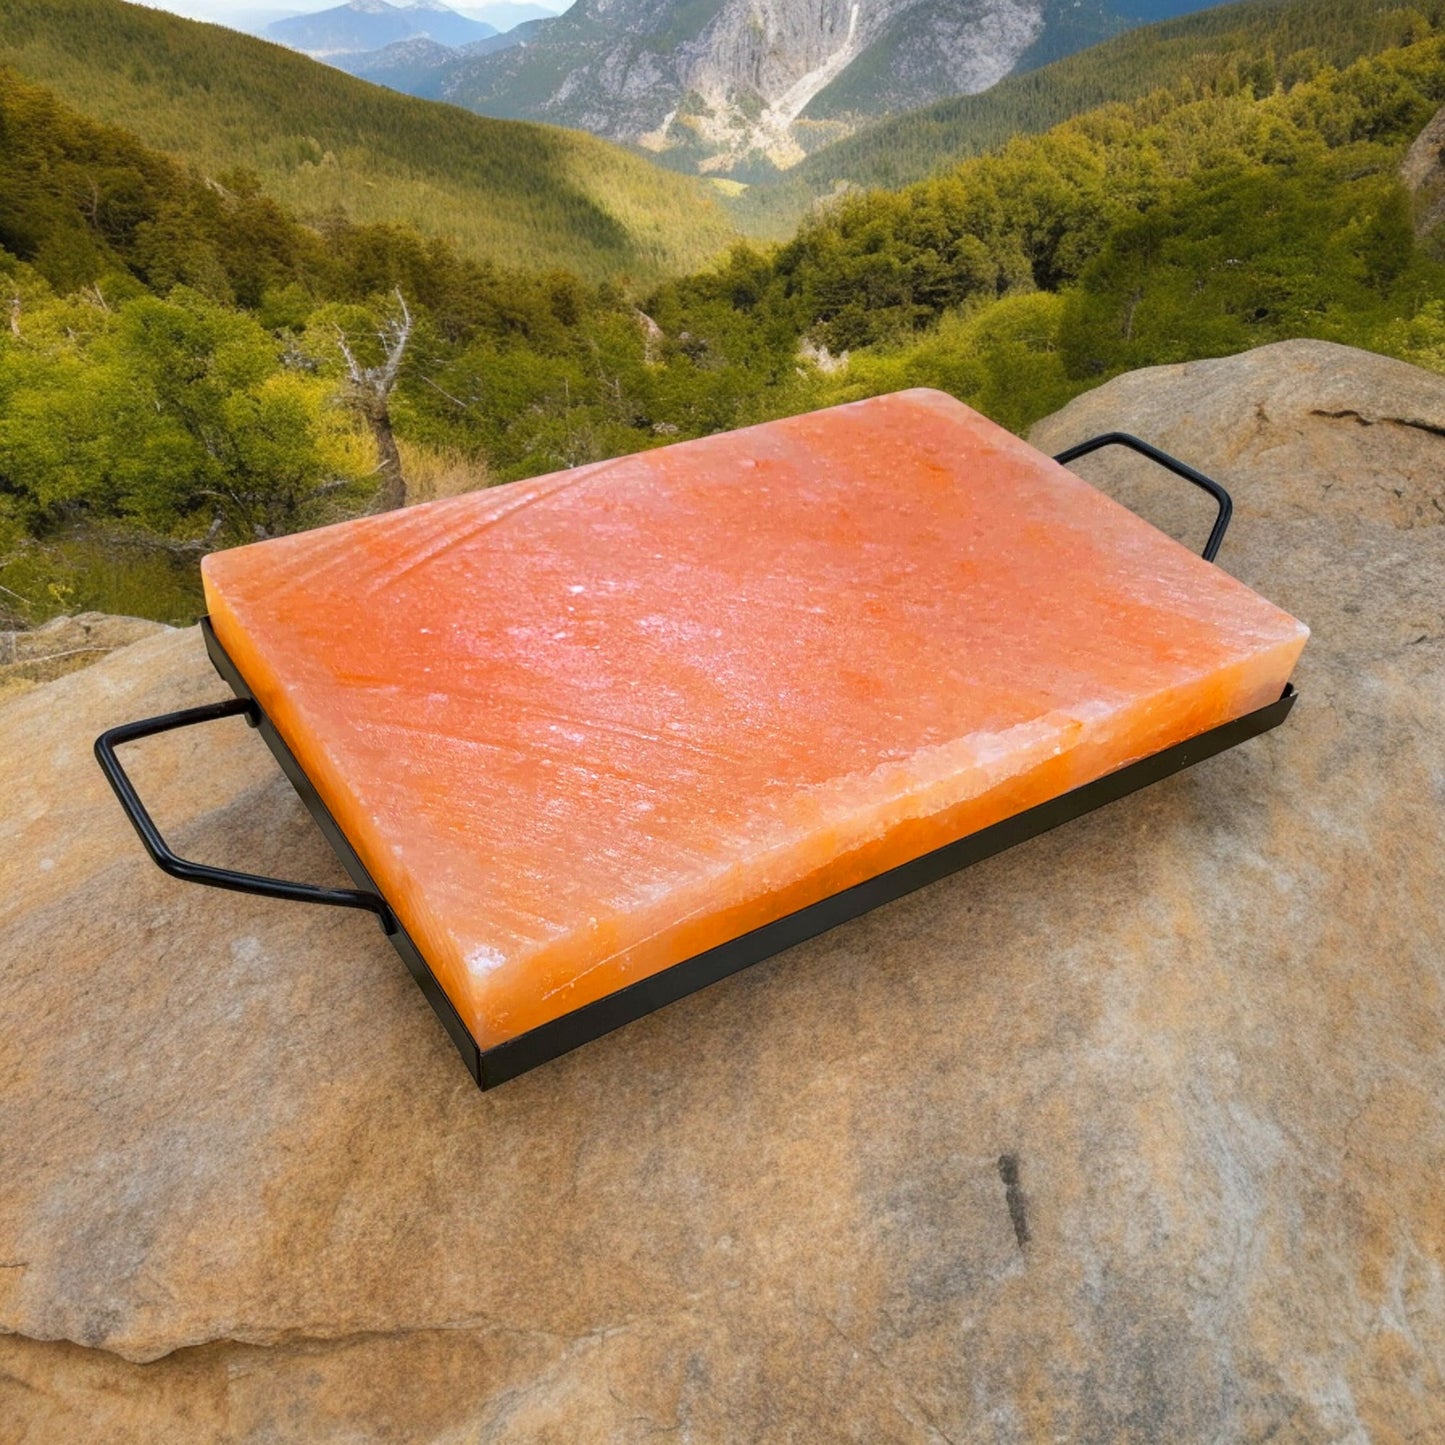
x=176, y=414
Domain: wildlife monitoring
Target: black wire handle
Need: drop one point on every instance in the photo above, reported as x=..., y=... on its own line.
x=1172, y=464
x=170, y=862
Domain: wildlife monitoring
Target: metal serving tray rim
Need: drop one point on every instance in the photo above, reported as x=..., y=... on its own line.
x=500, y=1062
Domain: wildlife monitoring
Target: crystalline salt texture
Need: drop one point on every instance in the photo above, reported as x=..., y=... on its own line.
x=582, y=727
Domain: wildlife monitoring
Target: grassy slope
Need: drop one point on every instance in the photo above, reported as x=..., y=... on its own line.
x=521, y=194
x=1192, y=49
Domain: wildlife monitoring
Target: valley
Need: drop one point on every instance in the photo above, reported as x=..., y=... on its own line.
x=747, y=88
x=322, y=142
x=184, y=327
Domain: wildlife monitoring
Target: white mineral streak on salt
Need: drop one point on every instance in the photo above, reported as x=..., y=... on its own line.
x=941, y=776
x=482, y=960
x=1093, y=714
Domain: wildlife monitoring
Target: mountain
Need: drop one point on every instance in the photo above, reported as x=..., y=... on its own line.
x=320, y=141
x=725, y=85
x=939, y=48
x=424, y=68
x=1196, y=52
x=364, y=25
x=420, y=64
x=506, y=15
x=415, y=67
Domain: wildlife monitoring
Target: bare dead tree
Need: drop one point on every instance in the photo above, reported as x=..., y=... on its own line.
x=653, y=337
x=1130, y=311
x=90, y=204
x=118, y=543
x=196, y=546
x=369, y=390
x=15, y=316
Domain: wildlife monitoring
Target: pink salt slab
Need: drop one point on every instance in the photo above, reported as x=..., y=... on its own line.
x=583, y=727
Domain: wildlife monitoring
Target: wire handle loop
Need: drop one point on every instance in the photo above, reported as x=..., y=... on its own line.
x=168, y=861
x=1171, y=464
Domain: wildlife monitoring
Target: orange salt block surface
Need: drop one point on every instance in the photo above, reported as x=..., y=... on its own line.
x=583, y=727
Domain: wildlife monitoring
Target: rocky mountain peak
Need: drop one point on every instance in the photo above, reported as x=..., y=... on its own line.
x=724, y=84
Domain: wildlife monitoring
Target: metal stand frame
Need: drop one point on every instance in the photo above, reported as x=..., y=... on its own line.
x=495, y=1065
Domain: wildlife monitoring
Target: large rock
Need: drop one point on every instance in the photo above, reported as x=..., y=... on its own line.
x=64, y=644
x=1206, y=1025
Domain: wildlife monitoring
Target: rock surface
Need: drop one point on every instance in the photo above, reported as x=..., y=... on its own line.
x=1133, y=1133
x=62, y=645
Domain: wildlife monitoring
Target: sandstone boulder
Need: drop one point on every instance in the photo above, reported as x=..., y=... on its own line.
x=62, y=645
x=1133, y=1133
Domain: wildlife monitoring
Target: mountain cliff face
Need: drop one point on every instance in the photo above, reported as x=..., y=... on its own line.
x=723, y=84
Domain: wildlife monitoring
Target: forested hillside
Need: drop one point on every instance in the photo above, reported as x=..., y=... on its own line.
x=321, y=141
x=174, y=371
x=1263, y=41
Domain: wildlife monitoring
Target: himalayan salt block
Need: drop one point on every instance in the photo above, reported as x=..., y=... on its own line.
x=583, y=727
